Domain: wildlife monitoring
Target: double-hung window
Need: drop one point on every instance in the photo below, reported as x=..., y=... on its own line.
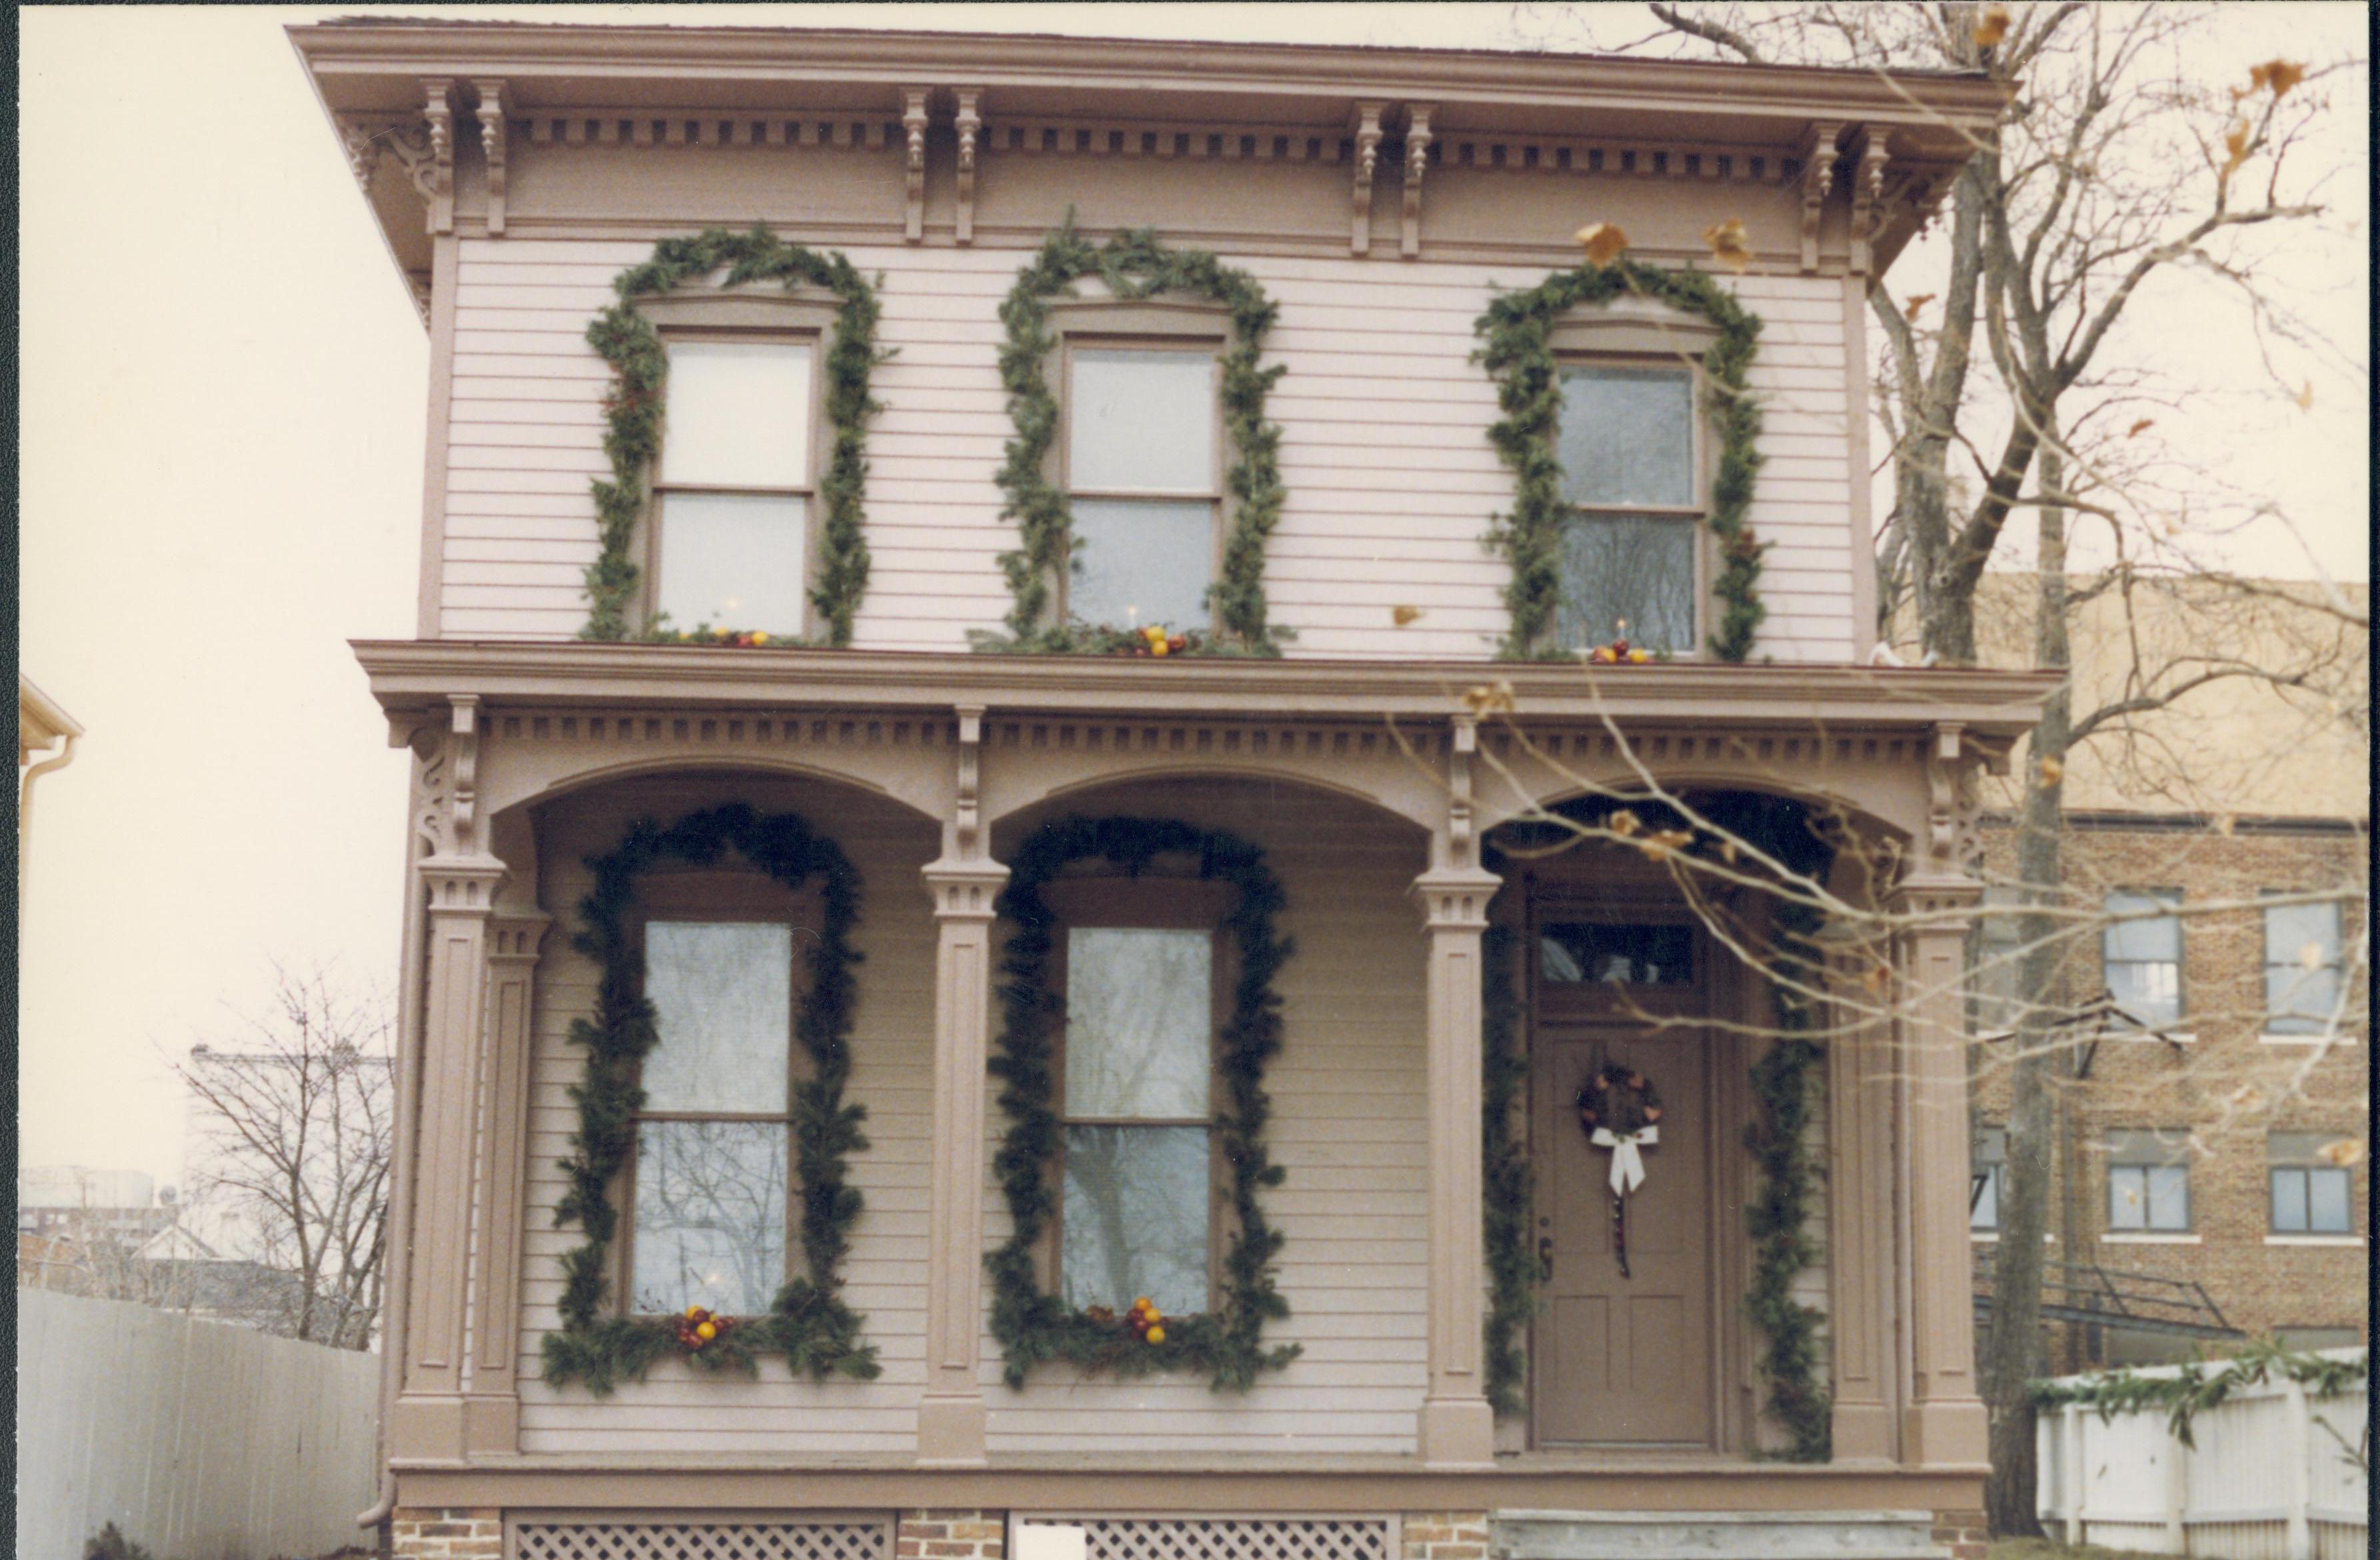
x=2142, y=953
x=1137, y=1191
x=714, y=1139
x=733, y=490
x=2312, y=1194
x=1143, y=482
x=1990, y=1176
x=1995, y=951
x=2300, y=968
x=2148, y=1182
x=1630, y=443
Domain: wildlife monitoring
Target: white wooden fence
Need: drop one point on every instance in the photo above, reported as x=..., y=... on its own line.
x=199, y=1440
x=2273, y=1476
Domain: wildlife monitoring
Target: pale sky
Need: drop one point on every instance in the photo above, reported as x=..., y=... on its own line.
x=223, y=393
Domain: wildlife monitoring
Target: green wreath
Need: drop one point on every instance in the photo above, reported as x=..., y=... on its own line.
x=633, y=411
x=1133, y=265
x=1228, y=1342
x=1518, y=353
x=809, y=1324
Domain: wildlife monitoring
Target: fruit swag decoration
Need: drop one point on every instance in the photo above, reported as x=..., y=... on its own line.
x=633, y=427
x=1227, y=1343
x=1619, y=1109
x=810, y=1324
x=1518, y=353
x=1134, y=266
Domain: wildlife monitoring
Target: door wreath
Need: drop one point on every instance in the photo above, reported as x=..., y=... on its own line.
x=1620, y=1110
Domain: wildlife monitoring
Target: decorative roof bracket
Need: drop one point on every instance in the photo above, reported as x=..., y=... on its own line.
x=1817, y=177
x=1368, y=162
x=913, y=121
x=491, y=144
x=970, y=124
x=439, y=168
x=1867, y=209
x=1417, y=139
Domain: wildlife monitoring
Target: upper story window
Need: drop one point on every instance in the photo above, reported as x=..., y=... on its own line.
x=733, y=492
x=2142, y=952
x=2311, y=1194
x=1990, y=1176
x=1137, y=1201
x=2148, y=1182
x=708, y=1214
x=1142, y=481
x=1630, y=443
x=2302, y=968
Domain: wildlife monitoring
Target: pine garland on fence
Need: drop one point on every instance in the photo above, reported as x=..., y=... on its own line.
x=628, y=341
x=1133, y=265
x=1512, y=1269
x=809, y=1324
x=1518, y=352
x=1228, y=1342
x=2194, y=1389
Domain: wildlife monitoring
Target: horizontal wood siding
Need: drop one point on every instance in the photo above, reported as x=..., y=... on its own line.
x=1392, y=481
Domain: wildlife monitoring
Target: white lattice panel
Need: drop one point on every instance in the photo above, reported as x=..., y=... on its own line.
x=700, y=1540
x=1222, y=1538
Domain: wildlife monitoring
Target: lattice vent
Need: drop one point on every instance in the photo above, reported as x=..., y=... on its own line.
x=1221, y=1538
x=700, y=1540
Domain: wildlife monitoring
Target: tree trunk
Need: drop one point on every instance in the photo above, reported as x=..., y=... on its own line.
x=2012, y=1351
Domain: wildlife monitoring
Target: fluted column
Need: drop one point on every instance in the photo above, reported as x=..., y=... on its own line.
x=1457, y=1428
x=492, y=1401
x=1942, y=1418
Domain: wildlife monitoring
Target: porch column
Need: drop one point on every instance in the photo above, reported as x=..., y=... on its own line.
x=491, y=1402
x=1860, y=1225
x=964, y=883
x=1942, y=1417
x=1457, y=1430
x=427, y=1419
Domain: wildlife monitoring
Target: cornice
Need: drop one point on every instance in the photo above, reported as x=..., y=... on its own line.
x=410, y=676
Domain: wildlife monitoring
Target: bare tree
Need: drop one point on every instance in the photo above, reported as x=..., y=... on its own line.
x=293, y=1135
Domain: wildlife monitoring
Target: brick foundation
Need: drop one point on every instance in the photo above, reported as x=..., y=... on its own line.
x=950, y=1535
x=433, y=1533
x=1445, y=1535
x=1960, y=1534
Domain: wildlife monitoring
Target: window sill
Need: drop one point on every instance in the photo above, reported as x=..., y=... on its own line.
x=2179, y=1037
x=2340, y=1240
x=1992, y=1236
x=2140, y=1237
x=2305, y=1039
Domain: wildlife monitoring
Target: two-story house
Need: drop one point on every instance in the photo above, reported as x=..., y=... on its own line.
x=1002, y=641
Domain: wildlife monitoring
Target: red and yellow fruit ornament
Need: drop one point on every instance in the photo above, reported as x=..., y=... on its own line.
x=699, y=1327
x=1147, y=1320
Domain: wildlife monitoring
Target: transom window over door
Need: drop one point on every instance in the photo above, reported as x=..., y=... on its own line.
x=1135, y=1215
x=1629, y=444
x=714, y=1139
x=1142, y=484
x=734, y=488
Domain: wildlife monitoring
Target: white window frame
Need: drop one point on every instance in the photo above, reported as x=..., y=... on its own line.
x=2140, y=1151
x=2172, y=899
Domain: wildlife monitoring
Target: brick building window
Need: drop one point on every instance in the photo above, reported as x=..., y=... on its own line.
x=1990, y=1173
x=1992, y=955
x=2310, y=1194
x=2142, y=952
x=2148, y=1182
x=2300, y=968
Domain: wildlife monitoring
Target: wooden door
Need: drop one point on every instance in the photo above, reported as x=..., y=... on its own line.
x=1625, y=1361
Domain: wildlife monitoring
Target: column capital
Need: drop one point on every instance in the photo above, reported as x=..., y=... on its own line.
x=1934, y=894
x=964, y=890
x=514, y=934
x=1456, y=898
x=463, y=884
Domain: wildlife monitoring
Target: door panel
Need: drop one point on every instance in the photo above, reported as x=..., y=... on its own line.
x=1625, y=1361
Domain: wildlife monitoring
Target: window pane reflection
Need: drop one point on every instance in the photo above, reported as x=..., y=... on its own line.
x=739, y=414
x=1139, y=1015
x=1627, y=956
x=1631, y=570
x=1136, y=1217
x=723, y=996
x=730, y=561
x=1627, y=436
x=1142, y=562
x=1142, y=421
x=710, y=1216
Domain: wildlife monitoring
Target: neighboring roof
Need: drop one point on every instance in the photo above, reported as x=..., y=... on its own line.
x=40, y=720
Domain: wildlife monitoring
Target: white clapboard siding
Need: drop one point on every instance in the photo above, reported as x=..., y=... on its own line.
x=1392, y=482
x=1348, y=1126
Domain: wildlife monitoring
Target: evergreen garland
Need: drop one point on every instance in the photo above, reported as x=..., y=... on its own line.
x=809, y=1324
x=1518, y=351
x=1133, y=265
x=628, y=341
x=2192, y=1389
x=1513, y=1269
x=1778, y=1212
x=1228, y=1342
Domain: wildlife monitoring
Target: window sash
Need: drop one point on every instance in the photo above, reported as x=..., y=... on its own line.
x=1653, y=465
x=2299, y=998
x=727, y=401
x=2141, y=959
x=2148, y=1197
x=709, y=1211
x=1597, y=552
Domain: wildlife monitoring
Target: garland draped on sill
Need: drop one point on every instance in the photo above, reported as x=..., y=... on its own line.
x=628, y=341
x=1518, y=352
x=1228, y=1342
x=1778, y=1214
x=2193, y=1389
x=809, y=1324
x=1133, y=265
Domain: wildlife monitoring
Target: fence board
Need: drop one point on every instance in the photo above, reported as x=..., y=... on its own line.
x=199, y=1440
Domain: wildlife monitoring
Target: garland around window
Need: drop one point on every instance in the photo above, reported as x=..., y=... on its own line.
x=633, y=410
x=1133, y=265
x=808, y=1324
x=1518, y=352
x=1227, y=1343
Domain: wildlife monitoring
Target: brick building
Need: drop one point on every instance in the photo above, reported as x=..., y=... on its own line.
x=2210, y=1174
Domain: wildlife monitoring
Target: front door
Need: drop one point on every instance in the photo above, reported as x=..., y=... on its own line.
x=1623, y=1359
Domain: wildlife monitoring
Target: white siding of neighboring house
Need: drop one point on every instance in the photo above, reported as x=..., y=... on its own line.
x=1391, y=478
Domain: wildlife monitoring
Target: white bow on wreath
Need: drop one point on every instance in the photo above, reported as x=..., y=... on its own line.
x=1627, y=1164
